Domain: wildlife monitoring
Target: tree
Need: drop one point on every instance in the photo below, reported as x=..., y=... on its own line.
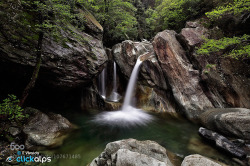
x=116, y=16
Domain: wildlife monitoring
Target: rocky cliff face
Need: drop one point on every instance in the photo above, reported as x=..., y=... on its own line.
x=176, y=80
x=69, y=64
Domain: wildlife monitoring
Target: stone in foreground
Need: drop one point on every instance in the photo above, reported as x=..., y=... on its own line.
x=134, y=153
x=198, y=160
x=45, y=130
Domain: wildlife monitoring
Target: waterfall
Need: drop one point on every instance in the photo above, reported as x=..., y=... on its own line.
x=128, y=115
x=131, y=85
x=114, y=79
x=114, y=96
x=102, y=83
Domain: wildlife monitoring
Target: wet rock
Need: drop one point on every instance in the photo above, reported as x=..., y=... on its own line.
x=153, y=93
x=133, y=152
x=153, y=99
x=222, y=142
x=126, y=54
x=45, y=130
x=198, y=160
x=91, y=100
x=230, y=121
x=181, y=76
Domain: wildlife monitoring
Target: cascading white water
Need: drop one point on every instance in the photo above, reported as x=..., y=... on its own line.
x=102, y=83
x=114, y=96
x=128, y=116
x=131, y=85
x=114, y=78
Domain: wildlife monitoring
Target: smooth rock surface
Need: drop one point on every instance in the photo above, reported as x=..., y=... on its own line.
x=126, y=157
x=134, y=153
x=182, y=77
x=45, y=130
x=198, y=160
x=230, y=121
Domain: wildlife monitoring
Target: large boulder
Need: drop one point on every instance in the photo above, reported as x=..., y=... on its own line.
x=134, y=153
x=198, y=160
x=126, y=54
x=230, y=121
x=44, y=130
x=72, y=59
x=181, y=76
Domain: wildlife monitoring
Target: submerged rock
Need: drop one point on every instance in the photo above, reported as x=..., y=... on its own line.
x=198, y=160
x=132, y=152
x=230, y=121
x=181, y=76
x=44, y=130
x=222, y=142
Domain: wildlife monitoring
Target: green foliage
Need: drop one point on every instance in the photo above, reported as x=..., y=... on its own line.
x=235, y=47
x=172, y=14
x=10, y=108
x=208, y=66
x=23, y=20
x=236, y=8
x=116, y=16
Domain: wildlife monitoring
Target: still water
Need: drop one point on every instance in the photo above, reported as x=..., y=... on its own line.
x=178, y=136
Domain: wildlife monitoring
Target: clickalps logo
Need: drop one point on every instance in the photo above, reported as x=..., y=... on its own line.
x=26, y=156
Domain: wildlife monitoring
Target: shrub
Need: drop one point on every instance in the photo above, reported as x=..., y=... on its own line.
x=9, y=108
x=235, y=8
x=235, y=47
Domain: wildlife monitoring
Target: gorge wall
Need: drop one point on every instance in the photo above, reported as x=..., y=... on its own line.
x=178, y=79
x=173, y=80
